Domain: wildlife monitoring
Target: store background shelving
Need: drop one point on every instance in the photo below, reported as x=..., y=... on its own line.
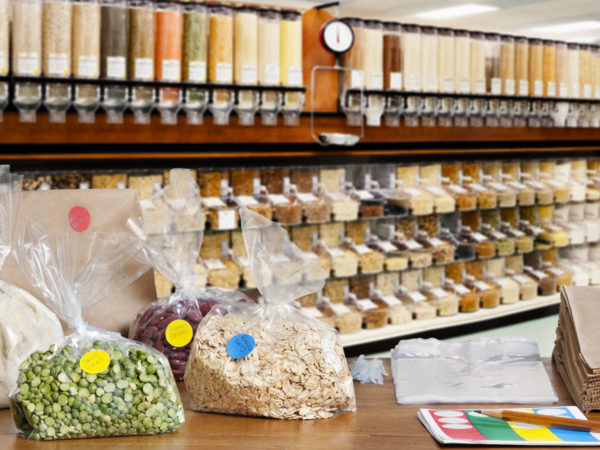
x=76, y=146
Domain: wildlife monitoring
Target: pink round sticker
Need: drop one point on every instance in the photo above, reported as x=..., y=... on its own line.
x=79, y=218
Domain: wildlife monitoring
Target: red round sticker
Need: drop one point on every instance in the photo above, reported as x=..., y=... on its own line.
x=79, y=218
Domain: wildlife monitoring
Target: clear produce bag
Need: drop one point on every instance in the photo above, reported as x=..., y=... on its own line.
x=19, y=310
x=172, y=230
x=94, y=382
x=270, y=359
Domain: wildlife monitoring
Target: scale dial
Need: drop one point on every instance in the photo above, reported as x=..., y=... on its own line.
x=337, y=36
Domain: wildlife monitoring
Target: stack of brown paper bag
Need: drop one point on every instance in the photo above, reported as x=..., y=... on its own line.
x=577, y=347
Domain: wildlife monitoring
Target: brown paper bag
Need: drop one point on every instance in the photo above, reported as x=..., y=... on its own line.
x=86, y=211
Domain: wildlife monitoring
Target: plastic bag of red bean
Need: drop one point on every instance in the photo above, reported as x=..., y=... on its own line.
x=171, y=229
x=169, y=324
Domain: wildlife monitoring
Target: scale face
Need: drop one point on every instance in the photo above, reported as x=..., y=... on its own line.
x=337, y=36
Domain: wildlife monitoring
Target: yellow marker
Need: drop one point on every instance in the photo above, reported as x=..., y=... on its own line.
x=179, y=333
x=94, y=361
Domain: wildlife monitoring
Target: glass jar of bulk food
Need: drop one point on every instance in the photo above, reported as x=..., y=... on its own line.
x=443, y=250
x=546, y=283
x=478, y=63
x=392, y=56
x=536, y=67
x=373, y=315
x=468, y=300
x=488, y=293
x=446, y=60
x=549, y=68
x=484, y=248
x=395, y=259
x=462, y=57
x=195, y=58
x=418, y=256
x=522, y=65
x=493, y=77
x=411, y=57
x=445, y=302
x=220, y=59
x=397, y=313
x=573, y=79
x=429, y=59
x=507, y=64
x=417, y=304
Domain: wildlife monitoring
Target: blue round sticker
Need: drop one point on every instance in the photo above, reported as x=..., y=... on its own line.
x=240, y=345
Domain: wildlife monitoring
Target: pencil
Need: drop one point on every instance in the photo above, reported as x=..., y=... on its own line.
x=547, y=421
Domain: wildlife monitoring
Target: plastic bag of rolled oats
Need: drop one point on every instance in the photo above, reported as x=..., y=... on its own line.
x=270, y=359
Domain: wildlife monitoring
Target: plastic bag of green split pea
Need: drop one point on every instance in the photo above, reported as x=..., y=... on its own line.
x=93, y=383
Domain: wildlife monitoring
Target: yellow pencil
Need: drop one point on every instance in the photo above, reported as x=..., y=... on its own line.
x=547, y=421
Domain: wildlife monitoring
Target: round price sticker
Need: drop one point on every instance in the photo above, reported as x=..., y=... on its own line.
x=179, y=333
x=240, y=345
x=79, y=218
x=94, y=361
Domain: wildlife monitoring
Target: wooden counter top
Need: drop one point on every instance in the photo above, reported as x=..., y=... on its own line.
x=379, y=423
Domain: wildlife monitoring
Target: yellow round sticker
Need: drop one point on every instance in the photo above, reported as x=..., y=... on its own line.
x=179, y=333
x=94, y=361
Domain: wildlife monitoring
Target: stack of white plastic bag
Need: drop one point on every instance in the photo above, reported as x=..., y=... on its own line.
x=93, y=382
x=25, y=323
x=504, y=370
x=270, y=359
x=171, y=231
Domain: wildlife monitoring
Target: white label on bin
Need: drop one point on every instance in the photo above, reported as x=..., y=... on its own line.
x=271, y=74
x=448, y=85
x=356, y=78
x=361, y=249
x=414, y=82
x=497, y=186
x=58, y=64
x=364, y=195
x=575, y=90
x=387, y=246
x=481, y=286
x=197, y=71
x=503, y=282
x=213, y=202
x=313, y=312
x=597, y=91
x=496, y=86
x=480, y=87
x=436, y=242
x=416, y=297
x=224, y=72
x=335, y=252
x=87, y=66
x=390, y=300
x=461, y=290
x=438, y=292
x=214, y=264
x=143, y=69
x=29, y=64
x=306, y=197
x=563, y=90
x=435, y=190
x=587, y=90
x=523, y=87
x=509, y=86
x=457, y=189
x=115, y=67
x=278, y=199
x=376, y=81
x=247, y=200
x=478, y=237
x=464, y=86
x=551, y=89
x=396, y=80
x=556, y=272
x=477, y=187
x=339, y=309
x=366, y=304
x=171, y=70
x=3, y=65
x=432, y=85
x=412, y=245
x=294, y=76
x=227, y=219
x=538, y=88
x=249, y=75
x=412, y=191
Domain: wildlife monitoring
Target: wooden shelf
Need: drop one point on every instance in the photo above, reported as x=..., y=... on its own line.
x=420, y=326
x=425, y=140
